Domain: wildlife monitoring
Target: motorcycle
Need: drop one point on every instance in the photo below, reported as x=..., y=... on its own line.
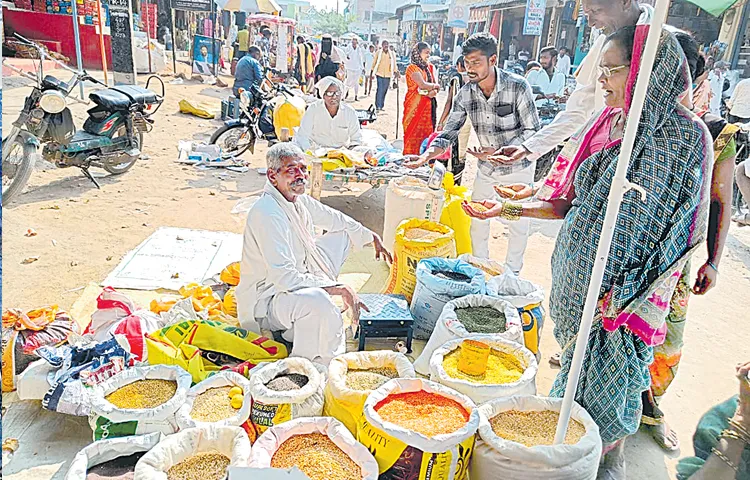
x=112, y=136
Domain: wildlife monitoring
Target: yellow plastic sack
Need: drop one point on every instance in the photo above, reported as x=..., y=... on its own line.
x=287, y=113
x=197, y=110
x=408, y=250
x=230, y=302
x=186, y=345
x=231, y=274
x=454, y=216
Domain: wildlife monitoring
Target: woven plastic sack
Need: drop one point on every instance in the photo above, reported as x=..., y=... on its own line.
x=345, y=404
x=402, y=453
x=481, y=393
x=433, y=292
x=272, y=439
x=408, y=252
x=527, y=297
x=495, y=457
x=229, y=441
x=449, y=328
x=221, y=379
x=490, y=267
x=405, y=198
x=106, y=450
x=109, y=421
x=271, y=407
x=454, y=216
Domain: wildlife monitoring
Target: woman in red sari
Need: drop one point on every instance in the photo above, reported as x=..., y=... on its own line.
x=420, y=106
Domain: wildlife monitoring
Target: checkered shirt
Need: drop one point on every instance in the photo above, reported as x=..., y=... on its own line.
x=494, y=130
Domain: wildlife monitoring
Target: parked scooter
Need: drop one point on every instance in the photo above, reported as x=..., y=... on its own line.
x=112, y=136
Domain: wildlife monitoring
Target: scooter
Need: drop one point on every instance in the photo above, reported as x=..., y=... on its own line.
x=112, y=136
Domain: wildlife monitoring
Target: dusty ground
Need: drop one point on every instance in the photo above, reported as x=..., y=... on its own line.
x=83, y=233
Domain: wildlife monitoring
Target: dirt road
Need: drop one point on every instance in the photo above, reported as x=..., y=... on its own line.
x=82, y=233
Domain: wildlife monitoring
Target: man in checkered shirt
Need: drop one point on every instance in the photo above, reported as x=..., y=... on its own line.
x=502, y=111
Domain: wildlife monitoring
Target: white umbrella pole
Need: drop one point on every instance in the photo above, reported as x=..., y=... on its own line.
x=620, y=185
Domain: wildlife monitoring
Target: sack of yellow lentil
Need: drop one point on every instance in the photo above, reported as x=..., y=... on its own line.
x=286, y=390
x=409, y=197
x=341, y=458
x=96, y=456
x=138, y=400
x=498, y=457
x=210, y=402
x=417, y=240
x=511, y=369
x=434, y=436
x=527, y=297
x=351, y=378
x=449, y=327
x=201, y=453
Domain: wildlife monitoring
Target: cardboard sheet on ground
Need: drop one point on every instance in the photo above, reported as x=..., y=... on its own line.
x=173, y=257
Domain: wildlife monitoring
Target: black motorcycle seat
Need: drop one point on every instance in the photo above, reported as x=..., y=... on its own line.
x=122, y=97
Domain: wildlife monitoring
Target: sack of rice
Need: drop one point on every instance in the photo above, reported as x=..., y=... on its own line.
x=485, y=367
x=416, y=240
x=222, y=399
x=516, y=436
x=527, y=297
x=113, y=458
x=472, y=314
x=201, y=453
x=319, y=446
x=286, y=390
x=440, y=280
x=351, y=378
x=419, y=430
x=139, y=400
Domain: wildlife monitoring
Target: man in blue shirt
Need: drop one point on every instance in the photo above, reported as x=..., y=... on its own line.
x=248, y=72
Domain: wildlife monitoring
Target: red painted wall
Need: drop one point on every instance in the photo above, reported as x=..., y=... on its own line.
x=59, y=28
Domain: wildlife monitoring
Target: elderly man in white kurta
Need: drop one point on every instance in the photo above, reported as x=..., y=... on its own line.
x=288, y=276
x=329, y=122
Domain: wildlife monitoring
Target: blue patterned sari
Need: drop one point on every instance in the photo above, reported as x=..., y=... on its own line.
x=672, y=162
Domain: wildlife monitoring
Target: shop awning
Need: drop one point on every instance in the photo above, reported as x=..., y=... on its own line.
x=251, y=6
x=714, y=7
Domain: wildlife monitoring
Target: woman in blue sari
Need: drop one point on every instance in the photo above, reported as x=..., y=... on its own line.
x=654, y=236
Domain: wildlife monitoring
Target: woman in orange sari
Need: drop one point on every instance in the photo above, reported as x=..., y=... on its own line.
x=420, y=106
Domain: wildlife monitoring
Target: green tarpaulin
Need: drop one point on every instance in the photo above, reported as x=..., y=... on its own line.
x=714, y=7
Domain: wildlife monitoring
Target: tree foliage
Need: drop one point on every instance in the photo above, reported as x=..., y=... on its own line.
x=331, y=22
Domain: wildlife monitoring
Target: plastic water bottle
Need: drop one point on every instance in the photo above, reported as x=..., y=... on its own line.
x=435, y=181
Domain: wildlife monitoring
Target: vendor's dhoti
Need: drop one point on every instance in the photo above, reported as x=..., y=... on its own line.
x=308, y=317
x=352, y=81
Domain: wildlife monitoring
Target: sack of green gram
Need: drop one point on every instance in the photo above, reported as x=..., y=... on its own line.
x=285, y=390
x=516, y=438
x=139, y=400
x=351, y=378
x=419, y=430
x=527, y=297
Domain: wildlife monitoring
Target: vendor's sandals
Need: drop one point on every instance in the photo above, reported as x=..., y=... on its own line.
x=664, y=436
x=554, y=360
x=742, y=219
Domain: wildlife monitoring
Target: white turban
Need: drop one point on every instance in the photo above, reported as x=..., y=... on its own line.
x=326, y=82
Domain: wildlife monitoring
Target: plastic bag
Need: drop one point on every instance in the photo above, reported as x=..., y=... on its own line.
x=271, y=407
x=407, y=253
x=109, y=421
x=453, y=214
x=406, y=198
x=229, y=304
x=107, y=450
x=271, y=440
x=479, y=392
x=527, y=297
x=197, y=110
x=496, y=457
x=449, y=328
x=287, y=113
x=397, y=449
x=207, y=347
x=231, y=274
x=433, y=292
x=345, y=404
x=229, y=441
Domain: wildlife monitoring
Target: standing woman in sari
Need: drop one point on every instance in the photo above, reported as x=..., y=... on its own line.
x=420, y=105
x=653, y=239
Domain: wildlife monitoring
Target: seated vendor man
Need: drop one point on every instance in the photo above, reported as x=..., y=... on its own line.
x=288, y=276
x=329, y=123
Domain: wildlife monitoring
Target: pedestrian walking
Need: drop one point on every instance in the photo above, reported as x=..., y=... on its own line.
x=384, y=69
x=355, y=68
x=420, y=105
x=369, y=60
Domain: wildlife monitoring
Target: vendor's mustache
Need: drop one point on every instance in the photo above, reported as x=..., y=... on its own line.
x=299, y=182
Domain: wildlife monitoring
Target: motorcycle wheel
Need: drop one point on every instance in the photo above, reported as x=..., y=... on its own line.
x=234, y=140
x=16, y=173
x=122, y=167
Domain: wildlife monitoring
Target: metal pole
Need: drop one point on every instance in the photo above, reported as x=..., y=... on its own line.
x=77, y=38
x=620, y=186
x=740, y=35
x=174, y=40
x=213, y=36
x=101, y=38
x=148, y=31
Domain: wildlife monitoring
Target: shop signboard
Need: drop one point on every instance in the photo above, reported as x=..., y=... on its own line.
x=533, y=20
x=458, y=15
x=121, y=35
x=192, y=5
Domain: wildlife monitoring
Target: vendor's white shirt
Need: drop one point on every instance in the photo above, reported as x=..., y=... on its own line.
x=563, y=64
x=319, y=129
x=273, y=256
x=586, y=99
x=555, y=85
x=355, y=59
x=740, y=101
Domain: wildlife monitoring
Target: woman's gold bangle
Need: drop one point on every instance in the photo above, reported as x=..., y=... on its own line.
x=511, y=211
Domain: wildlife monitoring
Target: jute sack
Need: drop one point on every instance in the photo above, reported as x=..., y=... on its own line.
x=496, y=457
x=346, y=404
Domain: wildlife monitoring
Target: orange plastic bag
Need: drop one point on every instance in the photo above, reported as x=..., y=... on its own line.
x=231, y=274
